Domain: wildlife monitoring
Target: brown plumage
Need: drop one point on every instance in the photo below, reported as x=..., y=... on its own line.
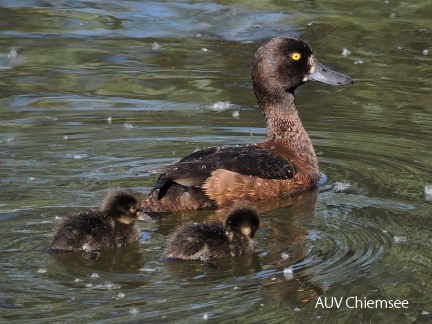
x=112, y=225
x=284, y=163
x=207, y=241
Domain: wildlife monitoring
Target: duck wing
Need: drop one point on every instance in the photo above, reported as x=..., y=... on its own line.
x=249, y=160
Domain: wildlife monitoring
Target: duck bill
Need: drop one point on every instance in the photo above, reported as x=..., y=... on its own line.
x=143, y=217
x=321, y=73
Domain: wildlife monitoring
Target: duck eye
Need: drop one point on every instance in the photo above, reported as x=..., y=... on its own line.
x=296, y=56
x=133, y=209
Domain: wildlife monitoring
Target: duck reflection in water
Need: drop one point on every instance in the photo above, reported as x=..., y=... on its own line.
x=112, y=225
x=207, y=241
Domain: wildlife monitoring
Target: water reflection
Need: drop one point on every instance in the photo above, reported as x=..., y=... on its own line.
x=128, y=259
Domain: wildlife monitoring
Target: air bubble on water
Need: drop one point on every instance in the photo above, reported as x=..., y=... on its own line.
x=346, y=52
x=236, y=114
x=341, y=186
x=205, y=317
x=133, y=311
x=95, y=275
x=128, y=126
x=12, y=53
x=42, y=270
x=221, y=105
x=106, y=286
x=399, y=239
x=120, y=296
x=425, y=52
x=428, y=192
x=109, y=120
x=288, y=273
x=156, y=46
x=284, y=256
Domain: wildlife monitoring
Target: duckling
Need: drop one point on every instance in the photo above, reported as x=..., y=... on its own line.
x=285, y=163
x=112, y=225
x=207, y=241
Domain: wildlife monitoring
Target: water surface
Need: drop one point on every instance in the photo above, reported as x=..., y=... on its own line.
x=93, y=93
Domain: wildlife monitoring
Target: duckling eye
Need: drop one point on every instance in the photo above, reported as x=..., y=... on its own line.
x=133, y=209
x=296, y=56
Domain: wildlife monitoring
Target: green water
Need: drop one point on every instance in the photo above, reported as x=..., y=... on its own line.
x=93, y=93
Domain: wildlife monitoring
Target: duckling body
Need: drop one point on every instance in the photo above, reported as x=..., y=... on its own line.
x=207, y=241
x=110, y=226
x=283, y=164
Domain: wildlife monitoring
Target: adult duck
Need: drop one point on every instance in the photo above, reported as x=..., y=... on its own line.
x=285, y=163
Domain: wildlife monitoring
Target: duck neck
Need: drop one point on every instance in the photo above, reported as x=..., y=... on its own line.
x=286, y=134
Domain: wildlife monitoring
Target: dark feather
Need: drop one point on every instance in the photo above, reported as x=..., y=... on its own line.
x=250, y=160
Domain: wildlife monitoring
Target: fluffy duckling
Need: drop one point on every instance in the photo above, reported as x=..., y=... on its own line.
x=112, y=225
x=206, y=241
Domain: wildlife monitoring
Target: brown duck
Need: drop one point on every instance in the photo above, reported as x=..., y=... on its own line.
x=285, y=163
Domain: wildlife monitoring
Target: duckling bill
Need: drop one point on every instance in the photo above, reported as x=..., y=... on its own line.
x=285, y=163
x=207, y=241
x=112, y=225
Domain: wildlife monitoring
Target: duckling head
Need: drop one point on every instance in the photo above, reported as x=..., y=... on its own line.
x=123, y=206
x=243, y=219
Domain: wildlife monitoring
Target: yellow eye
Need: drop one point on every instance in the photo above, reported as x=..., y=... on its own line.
x=296, y=56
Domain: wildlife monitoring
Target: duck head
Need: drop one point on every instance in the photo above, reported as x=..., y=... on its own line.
x=283, y=63
x=242, y=219
x=123, y=206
